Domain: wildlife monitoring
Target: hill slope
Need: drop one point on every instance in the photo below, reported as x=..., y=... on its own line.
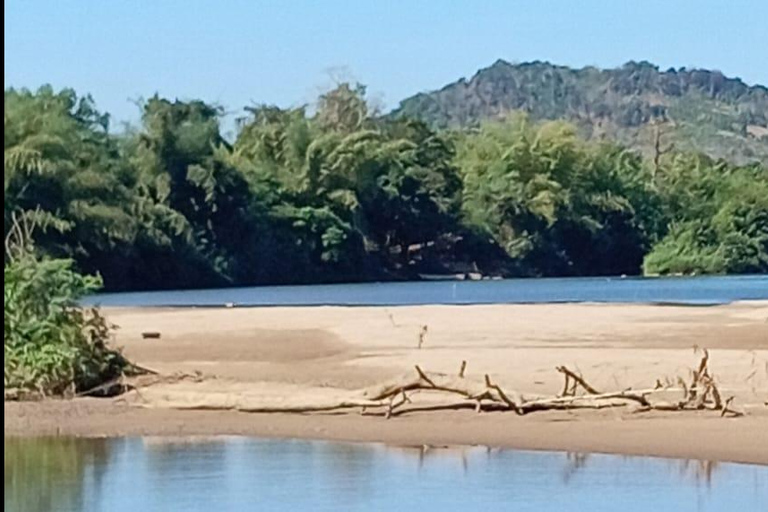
x=698, y=109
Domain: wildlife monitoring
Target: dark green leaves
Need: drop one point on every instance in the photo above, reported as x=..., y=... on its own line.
x=343, y=194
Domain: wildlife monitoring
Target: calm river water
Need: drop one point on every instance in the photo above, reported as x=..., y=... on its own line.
x=238, y=474
x=684, y=290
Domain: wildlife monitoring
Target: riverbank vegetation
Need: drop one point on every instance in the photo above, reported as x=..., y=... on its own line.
x=341, y=193
x=52, y=346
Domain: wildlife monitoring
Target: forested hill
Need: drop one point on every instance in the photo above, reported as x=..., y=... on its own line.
x=698, y=110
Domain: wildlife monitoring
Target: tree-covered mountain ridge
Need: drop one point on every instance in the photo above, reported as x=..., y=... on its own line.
x=637, y=105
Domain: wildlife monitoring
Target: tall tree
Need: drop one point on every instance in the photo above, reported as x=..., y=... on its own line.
x=62, y=166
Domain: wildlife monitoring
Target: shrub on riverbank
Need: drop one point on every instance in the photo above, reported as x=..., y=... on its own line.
x=52, y=345
x=719, y=218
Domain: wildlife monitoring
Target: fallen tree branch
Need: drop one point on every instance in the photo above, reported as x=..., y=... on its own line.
x=439, y=391
x=727, y=409
x=633, y=396
x=578, y=380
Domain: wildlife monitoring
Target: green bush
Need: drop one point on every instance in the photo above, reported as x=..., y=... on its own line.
x=688, y=249
x=52, y=345
x=719, y=217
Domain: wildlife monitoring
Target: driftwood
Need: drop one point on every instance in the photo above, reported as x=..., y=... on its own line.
x=702, y=393
x=570, y=388
x=140, y=376
x=460, y=392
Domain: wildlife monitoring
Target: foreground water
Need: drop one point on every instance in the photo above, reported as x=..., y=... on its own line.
x=685, y=290
x=235, y=474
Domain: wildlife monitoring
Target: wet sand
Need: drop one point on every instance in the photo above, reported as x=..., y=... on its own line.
x=301, y=353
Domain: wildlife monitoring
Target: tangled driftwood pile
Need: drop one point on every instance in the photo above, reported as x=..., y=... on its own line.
x=485, y=395
x=431, y=391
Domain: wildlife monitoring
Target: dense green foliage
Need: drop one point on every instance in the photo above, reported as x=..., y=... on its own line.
x=53, y=346
x=703, y=111
x=343, y=194
x=719, y=219
x=557, y=205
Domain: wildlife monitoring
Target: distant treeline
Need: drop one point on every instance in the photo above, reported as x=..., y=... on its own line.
x=344, y=194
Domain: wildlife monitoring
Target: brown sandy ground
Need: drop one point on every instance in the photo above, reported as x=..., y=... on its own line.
x=280, y=355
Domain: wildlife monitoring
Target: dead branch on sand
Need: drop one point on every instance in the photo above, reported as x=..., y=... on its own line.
x=460, y=392
x=140, y=378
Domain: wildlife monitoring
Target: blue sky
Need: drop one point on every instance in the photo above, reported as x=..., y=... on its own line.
x=236, y=53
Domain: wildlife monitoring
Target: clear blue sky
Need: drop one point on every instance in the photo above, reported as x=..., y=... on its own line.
x=239, y=52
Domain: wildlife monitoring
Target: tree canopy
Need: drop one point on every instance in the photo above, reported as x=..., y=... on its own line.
x=342, y=193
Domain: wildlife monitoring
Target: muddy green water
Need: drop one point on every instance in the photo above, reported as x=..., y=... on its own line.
x=240, y=474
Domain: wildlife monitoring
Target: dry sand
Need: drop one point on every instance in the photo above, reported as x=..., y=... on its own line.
x=286, y=354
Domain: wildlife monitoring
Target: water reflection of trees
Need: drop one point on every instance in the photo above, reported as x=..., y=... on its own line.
x=460, y=455
x=45, y=474
x=700, y=471
x=574, y=462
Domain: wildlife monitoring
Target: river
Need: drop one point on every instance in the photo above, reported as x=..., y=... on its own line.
x=677, y=290
x=237, y=474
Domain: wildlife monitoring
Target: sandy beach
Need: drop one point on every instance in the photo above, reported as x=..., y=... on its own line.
x=279, y=355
